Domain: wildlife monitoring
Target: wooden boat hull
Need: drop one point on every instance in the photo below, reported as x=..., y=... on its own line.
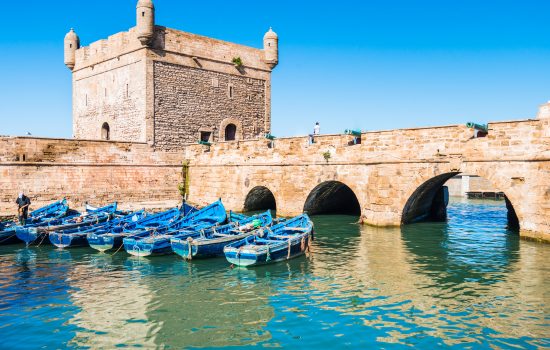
x=140, y=248
x=202, y=249
x=8, y=236
x=250, y=258
x=31, y=234
x=211, y=242
x=104, y=242
x=61, y=240
x=158, y=243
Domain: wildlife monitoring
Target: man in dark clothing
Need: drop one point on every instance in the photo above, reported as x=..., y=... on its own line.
x=23, y=202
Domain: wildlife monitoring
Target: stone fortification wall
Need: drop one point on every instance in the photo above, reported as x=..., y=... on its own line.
x=164, y=94
x=385, y=170
x=209, y=49
x=100, y=51
x=111, y=92
x=459, y=185
x=393, y=174
x=190, y=100
x=95, y=171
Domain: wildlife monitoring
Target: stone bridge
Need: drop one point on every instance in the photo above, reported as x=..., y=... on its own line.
x=393, y=177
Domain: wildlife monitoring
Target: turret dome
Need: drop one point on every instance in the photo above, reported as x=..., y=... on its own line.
x=71, y=35
x=145, y=21
x=146, y=3
x=71, y=44
x=270, y=34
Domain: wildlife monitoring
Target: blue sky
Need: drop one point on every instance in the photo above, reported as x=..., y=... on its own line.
x=349, y=64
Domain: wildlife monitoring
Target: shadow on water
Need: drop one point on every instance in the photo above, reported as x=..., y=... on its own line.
x=427, y=285
x=473, y=246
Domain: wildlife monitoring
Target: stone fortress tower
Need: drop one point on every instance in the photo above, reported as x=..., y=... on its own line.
x=167, y=87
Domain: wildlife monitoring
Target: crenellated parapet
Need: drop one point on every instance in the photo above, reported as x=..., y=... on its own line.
x=168, y=87
x=107, y=49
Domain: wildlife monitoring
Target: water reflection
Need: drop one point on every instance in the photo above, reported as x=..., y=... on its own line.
x=33, y=298
x=467, y=283
x=112, y=308
x=204, y=302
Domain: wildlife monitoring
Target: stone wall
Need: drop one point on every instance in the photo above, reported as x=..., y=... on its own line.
x=460, y=184
x=98, y=172
x=385, y=170
x=167, y=92
x=111, y=92
x=393, y=174
x=189, y=100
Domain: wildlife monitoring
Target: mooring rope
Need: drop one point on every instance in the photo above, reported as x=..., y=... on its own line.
x=190, y=249
x=7, y=238
x=289, y=245
x=138, y=249
x=43, y=238
x=119, y=248
x=268, y=256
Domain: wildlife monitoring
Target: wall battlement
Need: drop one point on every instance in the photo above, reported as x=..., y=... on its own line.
x=167, y=87
x=173, y=41
x=394, y=174
x=106, y=49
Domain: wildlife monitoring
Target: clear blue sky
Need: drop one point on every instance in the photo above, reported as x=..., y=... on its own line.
x=348, y=64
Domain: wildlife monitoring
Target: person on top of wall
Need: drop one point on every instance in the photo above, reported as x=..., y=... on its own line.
x=23, y=202
x=316, y=131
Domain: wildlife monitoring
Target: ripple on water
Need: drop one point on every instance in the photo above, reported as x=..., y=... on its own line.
x=465, y=283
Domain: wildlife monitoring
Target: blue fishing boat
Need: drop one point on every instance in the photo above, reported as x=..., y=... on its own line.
x=45, y=214
x=210, y=243
x=77, y=237
x=157, y=241
x=284, y=241
x=104, y=240
x=38, y=232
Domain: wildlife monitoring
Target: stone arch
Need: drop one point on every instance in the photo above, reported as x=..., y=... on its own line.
x=105, y=131
x=332, y=197
x=260, y=198
x=238, y=126
x=427, y=202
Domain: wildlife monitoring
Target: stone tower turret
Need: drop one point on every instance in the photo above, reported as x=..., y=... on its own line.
x=544, y=111
x=72, y=43
x=145, y=21
x=271, y=48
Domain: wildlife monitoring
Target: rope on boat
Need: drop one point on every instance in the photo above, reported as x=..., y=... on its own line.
x=43, y=238
x=190, y=249
x=119, y=248
x=239, y=252
x=303, y=244
x=268, y=257
x=289, y=245
x=138, y=249
x=7, y=238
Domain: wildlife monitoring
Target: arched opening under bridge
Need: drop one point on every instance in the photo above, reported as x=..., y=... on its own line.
x=429, y=201
x=260, y=198
x=332, y=197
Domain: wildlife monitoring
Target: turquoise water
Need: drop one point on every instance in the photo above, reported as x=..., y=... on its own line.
x=467, y=283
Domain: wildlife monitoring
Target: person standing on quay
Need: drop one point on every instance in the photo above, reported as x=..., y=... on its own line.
x=316, y=131
x=23, y=202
